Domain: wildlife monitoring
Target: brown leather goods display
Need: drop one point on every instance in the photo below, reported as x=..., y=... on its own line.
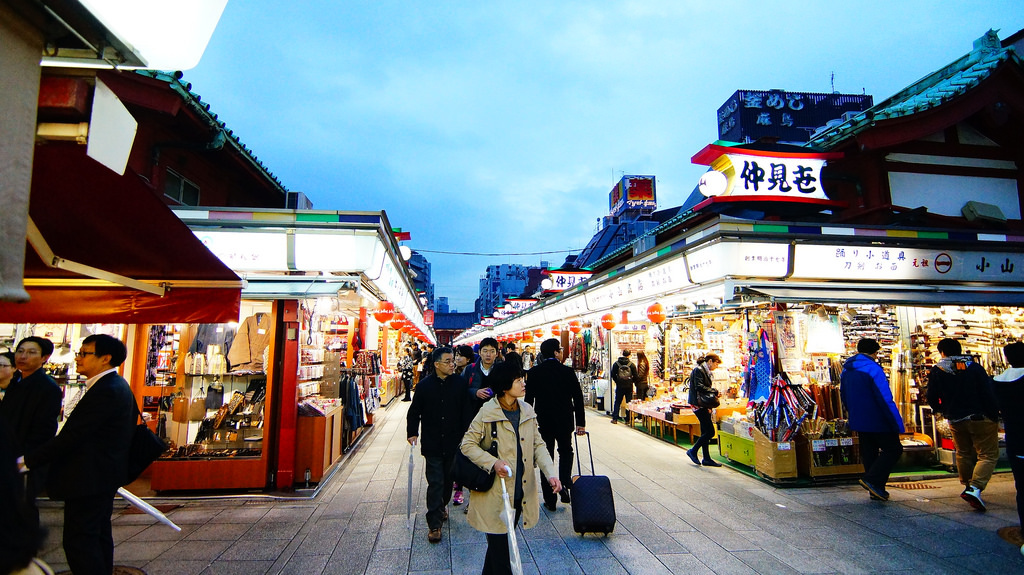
x=197, y=409
x=179, y=410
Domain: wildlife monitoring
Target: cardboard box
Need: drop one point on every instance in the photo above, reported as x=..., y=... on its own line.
x=774, y=459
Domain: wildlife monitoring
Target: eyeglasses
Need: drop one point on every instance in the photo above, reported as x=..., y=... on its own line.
x=446, y=361
x=84, y=353
x=6, y=365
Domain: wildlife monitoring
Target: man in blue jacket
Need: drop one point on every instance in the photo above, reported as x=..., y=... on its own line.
x=873, y=415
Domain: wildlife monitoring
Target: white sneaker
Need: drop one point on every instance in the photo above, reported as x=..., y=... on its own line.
x=972, y=495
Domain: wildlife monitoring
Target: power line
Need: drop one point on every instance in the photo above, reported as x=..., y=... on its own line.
x=497, y=254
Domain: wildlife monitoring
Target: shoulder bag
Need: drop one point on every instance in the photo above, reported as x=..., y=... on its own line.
x=145, y=448
x=708, y=398
x=179, y=412
x=469, y=474
x=197, y=408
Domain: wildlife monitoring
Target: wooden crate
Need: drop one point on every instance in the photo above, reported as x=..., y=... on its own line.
x=833, y=447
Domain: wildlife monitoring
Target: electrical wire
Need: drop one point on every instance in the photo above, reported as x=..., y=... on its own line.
x=497, y=254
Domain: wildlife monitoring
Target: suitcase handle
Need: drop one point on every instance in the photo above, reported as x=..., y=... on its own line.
x=590, y=448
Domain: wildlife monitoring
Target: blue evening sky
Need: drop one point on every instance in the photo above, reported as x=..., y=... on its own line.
x=501, y=127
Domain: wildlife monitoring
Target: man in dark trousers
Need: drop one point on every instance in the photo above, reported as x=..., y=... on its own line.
x=873, y=415
x=476, y=374
x=88, y=459
x=961, y=390
x=624, y=376
x=437, y=414
x=554, y=391
x=32, y=405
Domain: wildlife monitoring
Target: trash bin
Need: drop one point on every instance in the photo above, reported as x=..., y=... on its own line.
x=599, y=403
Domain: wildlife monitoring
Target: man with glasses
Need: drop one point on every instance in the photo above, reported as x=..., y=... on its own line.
x=554, y=391
x=476, y=374
x=31, y=405
x=438, y=416
x=88, y=459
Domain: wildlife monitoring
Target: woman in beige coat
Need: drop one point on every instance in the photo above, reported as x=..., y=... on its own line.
x=520, y=449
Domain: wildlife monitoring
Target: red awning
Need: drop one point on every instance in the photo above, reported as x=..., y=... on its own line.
x=89, y=215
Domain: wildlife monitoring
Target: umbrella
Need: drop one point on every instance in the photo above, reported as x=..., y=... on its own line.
x=408, y=502
x=138, y=502
x=510, y=524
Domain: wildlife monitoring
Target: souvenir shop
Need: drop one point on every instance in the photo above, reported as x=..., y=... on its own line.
x=783, y=318
x=267, y=392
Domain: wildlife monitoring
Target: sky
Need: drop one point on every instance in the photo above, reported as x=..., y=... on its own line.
x=501, y=127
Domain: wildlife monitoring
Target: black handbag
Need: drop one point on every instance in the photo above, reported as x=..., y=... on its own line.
x=708, y=398
x=146, y=447
x=468, y=474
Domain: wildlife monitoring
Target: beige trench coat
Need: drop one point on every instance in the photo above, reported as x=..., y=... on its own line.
x=485, y=507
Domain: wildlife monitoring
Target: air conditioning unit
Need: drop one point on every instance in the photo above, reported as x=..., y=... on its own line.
x=981, y=211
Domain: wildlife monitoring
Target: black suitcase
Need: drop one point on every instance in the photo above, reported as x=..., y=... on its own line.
x=593, y=505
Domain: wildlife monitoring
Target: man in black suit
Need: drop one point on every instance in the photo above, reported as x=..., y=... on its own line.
x=88, y=459
x=554, y=391
x=32, y=404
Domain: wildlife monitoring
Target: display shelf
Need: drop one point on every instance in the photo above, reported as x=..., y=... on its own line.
x=737, y=449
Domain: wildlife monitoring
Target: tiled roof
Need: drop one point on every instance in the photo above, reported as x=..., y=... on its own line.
x=929, y=92
x=195, y=102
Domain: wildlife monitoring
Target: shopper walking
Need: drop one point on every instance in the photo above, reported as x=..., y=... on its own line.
x=463, y=357
x=407, y=366
x=701, y=379
x=554, y=392
x=624, y=376
x=477, y=374
x=1009, y=390
x=873, y=415
x=961, y=391
x=520, y=449
x=437, y=414
x=88, y=459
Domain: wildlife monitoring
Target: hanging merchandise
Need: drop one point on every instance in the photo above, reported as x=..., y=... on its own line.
x=780, y=416
x=762, y=360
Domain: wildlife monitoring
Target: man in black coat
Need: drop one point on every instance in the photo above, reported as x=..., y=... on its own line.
x=32, y=405
x=554, y=391
x=88, y=459
x=438, y=416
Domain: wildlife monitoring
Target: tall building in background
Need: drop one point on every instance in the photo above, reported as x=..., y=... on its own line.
x=632, y=205
x=421, y=277
x=502, y=282
x=786, y=117
x=441, y=304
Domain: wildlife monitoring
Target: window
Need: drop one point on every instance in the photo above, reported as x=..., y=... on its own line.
x=181, y=190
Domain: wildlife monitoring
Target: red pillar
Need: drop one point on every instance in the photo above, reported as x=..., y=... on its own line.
x=286, y=436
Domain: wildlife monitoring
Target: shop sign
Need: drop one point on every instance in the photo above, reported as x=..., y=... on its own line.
x=488, y=322
x=739, y=260
x=574, y=306
x=428, y=317
x=766, y=176
x=563, y=280
x=882, y=263
x=519, y=304
x=633, y=193
x=248, y=251
x=653, y=281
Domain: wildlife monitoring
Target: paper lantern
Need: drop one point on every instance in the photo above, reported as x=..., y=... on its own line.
x=398, y=321
x=575, y=326
x=538, y=333
x=625, y=316
x=656, y=313
x=556, y=330
x=608, y=321
x=384, y=312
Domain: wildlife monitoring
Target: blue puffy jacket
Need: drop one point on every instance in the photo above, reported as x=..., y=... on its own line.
x=868, y=399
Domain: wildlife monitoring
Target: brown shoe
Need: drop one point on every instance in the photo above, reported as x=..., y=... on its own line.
x=444, y=514
x=434, y=536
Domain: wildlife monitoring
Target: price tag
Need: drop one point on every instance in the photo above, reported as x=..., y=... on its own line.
x=846, y=441
x=832, y=442
x=817, y=445
x=785, y=446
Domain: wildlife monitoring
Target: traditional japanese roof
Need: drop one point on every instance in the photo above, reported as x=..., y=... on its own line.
x=194, y=101
x=929, y=92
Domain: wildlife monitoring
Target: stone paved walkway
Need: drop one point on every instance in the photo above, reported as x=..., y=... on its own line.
x=673, y=518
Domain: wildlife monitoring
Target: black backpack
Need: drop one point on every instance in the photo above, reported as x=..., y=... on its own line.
x=624, y=373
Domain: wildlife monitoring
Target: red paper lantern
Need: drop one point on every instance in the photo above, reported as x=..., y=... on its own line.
x=608, y=321
x=656, y=313
x=556, y=330
x=575, y=326
x=538, y=333
x=398, y=321
x=384, y=312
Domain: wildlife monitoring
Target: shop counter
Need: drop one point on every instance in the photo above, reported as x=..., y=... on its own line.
x=664, y=420
x=319, y=443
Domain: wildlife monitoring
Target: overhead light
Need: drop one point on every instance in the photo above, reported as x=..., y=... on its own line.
x=406, y=252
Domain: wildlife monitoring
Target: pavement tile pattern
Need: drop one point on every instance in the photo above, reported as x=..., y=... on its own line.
x=673, y=518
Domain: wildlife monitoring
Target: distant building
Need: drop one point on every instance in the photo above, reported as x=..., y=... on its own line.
x=787, y=117
x=421, y=270
x=441, y=304
x=448, y=325
x=502, y=282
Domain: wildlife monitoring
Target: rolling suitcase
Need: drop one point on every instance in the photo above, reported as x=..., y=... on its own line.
x=593, y=505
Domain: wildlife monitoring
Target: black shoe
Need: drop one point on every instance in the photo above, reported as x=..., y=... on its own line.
x=614, y=421
x=708, y=462
x=873, y=489
x=693, y=457
x=564, y=495
x=550, y=506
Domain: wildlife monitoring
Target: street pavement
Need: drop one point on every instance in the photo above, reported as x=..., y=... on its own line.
x=673, y=518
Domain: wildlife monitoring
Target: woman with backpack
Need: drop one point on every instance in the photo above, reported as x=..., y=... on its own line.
x=624, y=376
